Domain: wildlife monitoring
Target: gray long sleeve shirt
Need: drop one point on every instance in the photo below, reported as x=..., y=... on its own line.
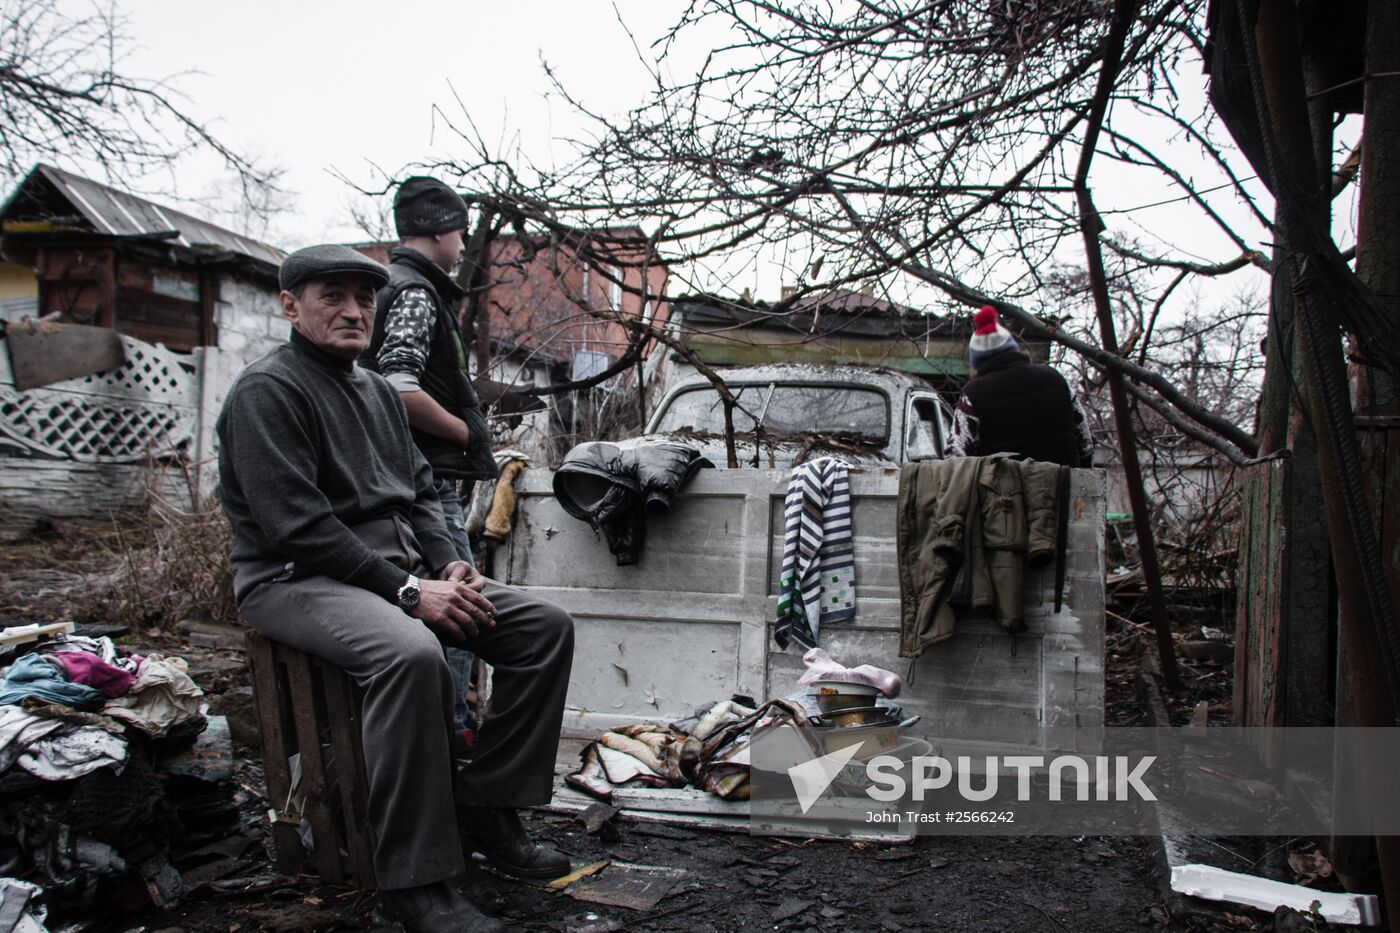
x=310, y=445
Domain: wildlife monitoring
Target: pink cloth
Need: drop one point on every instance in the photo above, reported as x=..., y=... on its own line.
x=84, y=668
x=820, y=666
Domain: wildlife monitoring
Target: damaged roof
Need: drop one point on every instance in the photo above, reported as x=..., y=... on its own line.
x=50, y=200
x=839, y=311
x=842, y=327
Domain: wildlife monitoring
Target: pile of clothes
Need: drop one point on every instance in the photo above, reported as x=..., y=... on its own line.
x=82, y=723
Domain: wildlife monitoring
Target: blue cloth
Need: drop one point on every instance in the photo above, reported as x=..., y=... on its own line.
x=33, y=676
x=452, y=516
x=459, y=662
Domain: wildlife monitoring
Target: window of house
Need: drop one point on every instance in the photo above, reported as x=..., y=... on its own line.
x=615, y=288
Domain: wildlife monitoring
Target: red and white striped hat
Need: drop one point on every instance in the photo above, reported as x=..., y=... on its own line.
x=988, y=336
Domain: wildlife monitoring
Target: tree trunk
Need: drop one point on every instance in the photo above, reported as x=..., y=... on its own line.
x=1377, y=393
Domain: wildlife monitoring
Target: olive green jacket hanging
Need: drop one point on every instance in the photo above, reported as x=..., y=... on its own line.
x=966, y=529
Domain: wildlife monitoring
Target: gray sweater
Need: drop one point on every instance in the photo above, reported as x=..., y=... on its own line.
x=310, y=445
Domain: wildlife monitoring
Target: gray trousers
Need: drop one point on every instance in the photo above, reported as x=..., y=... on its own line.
x=407, y=719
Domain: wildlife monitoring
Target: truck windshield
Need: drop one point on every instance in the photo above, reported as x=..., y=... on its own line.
x=824, y=409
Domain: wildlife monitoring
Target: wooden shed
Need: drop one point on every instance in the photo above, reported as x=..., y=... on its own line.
x=110, y=258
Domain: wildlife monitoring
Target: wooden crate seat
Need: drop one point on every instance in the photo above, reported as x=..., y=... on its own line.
x=308, y=707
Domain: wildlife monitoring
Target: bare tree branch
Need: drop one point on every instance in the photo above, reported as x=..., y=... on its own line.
x=64, y=94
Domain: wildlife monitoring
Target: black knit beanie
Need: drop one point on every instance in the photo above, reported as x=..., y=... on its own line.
x=424, y=206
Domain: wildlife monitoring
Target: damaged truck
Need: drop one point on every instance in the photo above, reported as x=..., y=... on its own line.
x=689, y=622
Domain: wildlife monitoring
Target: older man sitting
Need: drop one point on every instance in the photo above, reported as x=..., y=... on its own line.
x=340, y=550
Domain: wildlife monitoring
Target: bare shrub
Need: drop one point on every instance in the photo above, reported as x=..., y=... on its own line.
x=167, y=563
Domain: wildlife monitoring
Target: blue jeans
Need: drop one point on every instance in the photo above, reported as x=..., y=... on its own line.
x=459, y=661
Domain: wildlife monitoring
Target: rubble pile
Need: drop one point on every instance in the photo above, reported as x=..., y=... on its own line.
x=709, y=750
x=107, y=761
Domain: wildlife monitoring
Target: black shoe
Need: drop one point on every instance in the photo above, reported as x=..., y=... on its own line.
x=498, y=834
x=436, y=908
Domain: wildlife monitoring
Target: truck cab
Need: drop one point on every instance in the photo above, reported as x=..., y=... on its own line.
x=867, y=416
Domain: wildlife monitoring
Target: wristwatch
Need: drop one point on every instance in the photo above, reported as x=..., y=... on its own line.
x=409, y=592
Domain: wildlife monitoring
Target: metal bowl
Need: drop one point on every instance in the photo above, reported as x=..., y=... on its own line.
x=861, y=716
x=832, y=702
x=841, y=686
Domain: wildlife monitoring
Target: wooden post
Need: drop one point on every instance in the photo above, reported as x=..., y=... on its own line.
x=208, y=290
x=1300, y=583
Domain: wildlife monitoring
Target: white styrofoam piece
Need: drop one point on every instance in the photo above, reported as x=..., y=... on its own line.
x=1218, y=884
x=19, y=634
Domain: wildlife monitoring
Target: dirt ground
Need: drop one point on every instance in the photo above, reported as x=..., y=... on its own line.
x=738, y=882
x=732, y=881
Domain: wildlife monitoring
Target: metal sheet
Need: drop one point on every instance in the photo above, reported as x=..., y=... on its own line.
x=119, y=213
x=939, y=359
x=636, y=887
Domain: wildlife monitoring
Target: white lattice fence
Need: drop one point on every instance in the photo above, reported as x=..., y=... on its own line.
x=148, y=407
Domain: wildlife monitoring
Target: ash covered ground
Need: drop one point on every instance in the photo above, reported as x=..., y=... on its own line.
x=731, y=881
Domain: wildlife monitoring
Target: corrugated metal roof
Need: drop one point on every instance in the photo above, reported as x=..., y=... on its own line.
x=120, y=213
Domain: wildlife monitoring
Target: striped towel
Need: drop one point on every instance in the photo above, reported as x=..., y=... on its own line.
x=817, y=584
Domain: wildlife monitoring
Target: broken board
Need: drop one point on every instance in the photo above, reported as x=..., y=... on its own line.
x=33, y=631
x=42, y=353
x=686, y=806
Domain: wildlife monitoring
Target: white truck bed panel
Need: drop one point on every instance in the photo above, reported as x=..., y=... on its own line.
x=689, y=624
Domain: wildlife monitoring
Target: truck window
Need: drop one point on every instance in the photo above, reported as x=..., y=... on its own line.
x=824, y=409
x=923, y=435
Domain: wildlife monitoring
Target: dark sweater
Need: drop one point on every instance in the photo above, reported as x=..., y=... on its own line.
x=309, y=445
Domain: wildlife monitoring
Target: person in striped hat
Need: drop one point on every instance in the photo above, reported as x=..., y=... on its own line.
x=1013, y=405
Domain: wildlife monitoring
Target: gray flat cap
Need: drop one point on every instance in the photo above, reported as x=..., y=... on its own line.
x=322, y=262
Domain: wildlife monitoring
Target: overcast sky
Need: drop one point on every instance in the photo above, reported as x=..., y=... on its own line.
x=318, y=87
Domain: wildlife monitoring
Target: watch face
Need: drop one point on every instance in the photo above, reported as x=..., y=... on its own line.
x=408, y=595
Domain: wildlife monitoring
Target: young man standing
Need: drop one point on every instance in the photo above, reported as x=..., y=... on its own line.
x=417, y=346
